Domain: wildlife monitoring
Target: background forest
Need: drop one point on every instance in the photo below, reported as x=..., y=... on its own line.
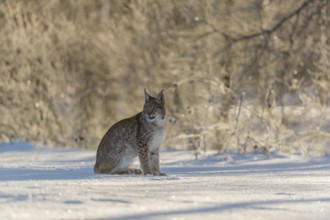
x=243, y=75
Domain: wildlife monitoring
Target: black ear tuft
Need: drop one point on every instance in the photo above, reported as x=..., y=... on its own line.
x=160, y=96
x=146, y=95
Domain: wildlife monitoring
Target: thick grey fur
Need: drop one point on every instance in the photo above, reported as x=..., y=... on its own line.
x=140, y=135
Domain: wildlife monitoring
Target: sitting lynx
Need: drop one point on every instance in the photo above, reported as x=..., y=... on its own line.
x=140, y=135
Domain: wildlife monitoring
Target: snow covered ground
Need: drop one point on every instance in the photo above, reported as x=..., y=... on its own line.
x=58, y=183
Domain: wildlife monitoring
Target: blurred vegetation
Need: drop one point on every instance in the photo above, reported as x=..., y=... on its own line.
x=235, y=73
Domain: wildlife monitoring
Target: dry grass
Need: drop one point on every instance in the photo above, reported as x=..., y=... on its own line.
x=71, y=69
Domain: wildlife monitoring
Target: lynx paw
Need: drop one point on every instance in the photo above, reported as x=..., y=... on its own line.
x=157, y=173
x=135, y=171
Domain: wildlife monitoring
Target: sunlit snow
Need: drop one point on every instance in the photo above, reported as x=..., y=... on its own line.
x=58, y=183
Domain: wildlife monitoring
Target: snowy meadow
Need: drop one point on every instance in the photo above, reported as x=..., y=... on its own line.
x=58, y=183
x=246, y=85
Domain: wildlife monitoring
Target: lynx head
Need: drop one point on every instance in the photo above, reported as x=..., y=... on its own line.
x=154, y=108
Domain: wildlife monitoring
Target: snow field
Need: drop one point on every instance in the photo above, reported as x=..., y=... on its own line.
x=58, y=183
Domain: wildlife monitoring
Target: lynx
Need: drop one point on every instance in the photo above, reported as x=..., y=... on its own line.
x=140, y=135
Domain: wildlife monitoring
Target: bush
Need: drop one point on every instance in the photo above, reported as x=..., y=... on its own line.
x=71, y=69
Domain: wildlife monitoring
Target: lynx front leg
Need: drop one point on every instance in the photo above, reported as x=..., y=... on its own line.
x=144, y=159
x=154, y=163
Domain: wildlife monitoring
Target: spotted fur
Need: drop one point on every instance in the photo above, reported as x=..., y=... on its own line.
x=140, y=135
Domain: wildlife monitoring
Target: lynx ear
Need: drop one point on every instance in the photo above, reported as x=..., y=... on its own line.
x=146, y=95
x=160, y=96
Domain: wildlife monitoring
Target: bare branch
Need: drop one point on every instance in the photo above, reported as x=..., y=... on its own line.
x=262, y=32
